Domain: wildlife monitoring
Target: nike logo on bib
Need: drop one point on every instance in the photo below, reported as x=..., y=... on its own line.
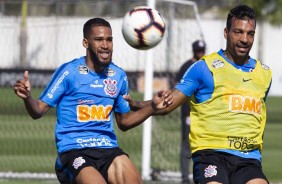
x=246, y=80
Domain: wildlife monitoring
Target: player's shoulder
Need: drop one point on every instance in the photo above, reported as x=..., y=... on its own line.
x=67, y=69
x=75, y=63
x=213, y=56
x=263, y=65
x=114, y=69
x=199, y=65
x=197, y=68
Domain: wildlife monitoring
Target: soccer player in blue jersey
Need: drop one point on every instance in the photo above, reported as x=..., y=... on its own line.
x=227, y=92
x=87, y=92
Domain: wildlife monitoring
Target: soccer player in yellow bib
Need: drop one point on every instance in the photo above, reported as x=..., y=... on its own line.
x=227, y=92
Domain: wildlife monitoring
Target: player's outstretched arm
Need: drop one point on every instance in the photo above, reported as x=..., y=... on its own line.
x=162, y=100
x=136, y=105
x=35, y=108
x=178, y=99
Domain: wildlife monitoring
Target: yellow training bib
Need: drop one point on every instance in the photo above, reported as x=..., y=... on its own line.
x=235, y=116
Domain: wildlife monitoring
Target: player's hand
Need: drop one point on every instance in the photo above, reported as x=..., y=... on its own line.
x=22, y=87
x=130, y=101
x=162, y=100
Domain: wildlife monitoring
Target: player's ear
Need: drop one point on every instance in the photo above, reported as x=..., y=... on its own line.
x=85, y=43
x=225, y=33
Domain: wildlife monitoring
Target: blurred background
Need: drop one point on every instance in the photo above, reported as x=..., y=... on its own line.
x=40, y=35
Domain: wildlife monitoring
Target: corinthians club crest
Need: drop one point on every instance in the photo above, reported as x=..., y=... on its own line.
x=217, y=63
x=110, y=87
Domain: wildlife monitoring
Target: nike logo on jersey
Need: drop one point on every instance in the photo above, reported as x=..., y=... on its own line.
x=246, y=80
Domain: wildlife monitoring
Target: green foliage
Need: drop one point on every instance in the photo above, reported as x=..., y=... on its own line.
x=270, y=10
x=272, y=151
x=266, y=10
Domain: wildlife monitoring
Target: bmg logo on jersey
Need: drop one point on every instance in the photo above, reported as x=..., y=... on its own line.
x=87, y=113
x=250, y=105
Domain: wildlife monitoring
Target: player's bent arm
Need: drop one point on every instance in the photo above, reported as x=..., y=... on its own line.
x=132, y=119
x=161, y=100
x=136, y=105
x=178, y=99
x=35, y=108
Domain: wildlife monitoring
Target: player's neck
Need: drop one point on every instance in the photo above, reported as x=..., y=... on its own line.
x=236, y=59
x=92, y=66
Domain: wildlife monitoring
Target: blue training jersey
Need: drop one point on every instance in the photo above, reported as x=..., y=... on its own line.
x=85, y=102
x=198, y=80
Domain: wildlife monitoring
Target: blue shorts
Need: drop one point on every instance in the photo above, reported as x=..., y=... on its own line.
x=70, y=163
x=225, y=168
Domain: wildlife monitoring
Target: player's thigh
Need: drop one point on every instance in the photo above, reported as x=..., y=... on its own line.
x=123, y=171
x=89, y=175
x=257, y=181
x=250, y=172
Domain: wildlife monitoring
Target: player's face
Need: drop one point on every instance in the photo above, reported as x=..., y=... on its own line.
x=100, y=45
x=240, y=39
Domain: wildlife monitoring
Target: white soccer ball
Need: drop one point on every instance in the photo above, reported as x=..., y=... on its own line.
x=143, y=27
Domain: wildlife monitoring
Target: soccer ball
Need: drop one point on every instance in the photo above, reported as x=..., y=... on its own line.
x=143, y=27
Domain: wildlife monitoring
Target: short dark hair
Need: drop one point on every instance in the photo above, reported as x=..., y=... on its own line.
x=93, y=23
x=242, y=12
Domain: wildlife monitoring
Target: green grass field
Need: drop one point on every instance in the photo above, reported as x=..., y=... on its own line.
x=28, y=145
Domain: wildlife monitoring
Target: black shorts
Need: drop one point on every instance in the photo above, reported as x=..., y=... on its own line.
x=70, y=163
x=225, y=168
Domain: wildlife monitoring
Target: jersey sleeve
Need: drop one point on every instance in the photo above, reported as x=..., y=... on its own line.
x=121, y=105
x=190, y=81
x=197, y=80
x=56, y=86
